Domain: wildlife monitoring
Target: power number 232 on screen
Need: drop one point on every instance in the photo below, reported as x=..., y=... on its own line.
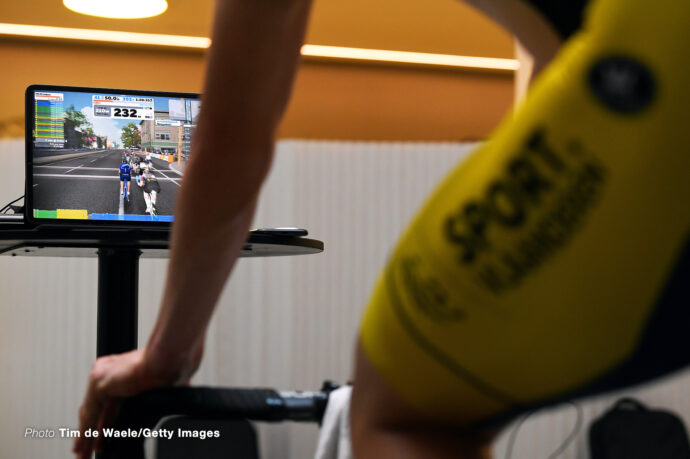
x=125, y=112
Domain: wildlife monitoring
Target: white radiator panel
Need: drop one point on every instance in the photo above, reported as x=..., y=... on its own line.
x=281, y=322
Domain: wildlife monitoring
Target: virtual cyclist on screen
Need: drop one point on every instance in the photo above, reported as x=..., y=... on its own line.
x=151, y=188
x=138, y=170
x=125, y=176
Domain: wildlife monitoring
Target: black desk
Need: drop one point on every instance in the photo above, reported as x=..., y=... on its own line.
x=59, y=242
x=118, y=251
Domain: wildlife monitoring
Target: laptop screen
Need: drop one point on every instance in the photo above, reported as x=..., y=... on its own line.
x=108, y=155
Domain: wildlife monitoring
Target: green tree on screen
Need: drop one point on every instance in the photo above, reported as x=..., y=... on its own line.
x=76, y=117
x=131, y=136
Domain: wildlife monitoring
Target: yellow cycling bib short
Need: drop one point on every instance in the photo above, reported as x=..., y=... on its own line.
x=555, y=262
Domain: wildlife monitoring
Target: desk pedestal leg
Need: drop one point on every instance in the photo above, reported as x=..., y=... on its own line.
x=118, y=279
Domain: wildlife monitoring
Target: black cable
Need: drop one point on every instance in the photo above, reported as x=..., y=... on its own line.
x=513, y=434
x=9, y=204
x=569, y=439
x=573, y=434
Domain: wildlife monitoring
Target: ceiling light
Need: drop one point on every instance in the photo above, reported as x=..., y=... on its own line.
x=407, y=57
x=118, y=9
x=106, y=36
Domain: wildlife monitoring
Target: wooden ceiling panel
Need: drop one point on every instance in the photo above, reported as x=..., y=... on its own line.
x=437, y=26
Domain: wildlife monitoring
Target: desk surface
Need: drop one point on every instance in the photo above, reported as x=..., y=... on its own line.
x=16, y=240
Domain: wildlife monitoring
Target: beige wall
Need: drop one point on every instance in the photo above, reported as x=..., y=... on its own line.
x=281, y=322
x=330, y=101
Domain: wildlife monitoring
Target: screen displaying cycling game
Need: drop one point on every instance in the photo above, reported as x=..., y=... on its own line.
x=109, y=156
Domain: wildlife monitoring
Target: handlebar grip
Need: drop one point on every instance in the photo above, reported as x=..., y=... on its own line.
x=148, y=408
x=269, y=405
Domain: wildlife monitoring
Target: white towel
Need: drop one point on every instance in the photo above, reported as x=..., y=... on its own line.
x=334, y=436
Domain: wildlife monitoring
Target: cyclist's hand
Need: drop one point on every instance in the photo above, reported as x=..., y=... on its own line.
x=114, y=377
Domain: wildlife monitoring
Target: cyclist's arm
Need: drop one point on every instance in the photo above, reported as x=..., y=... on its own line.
x=251, y=67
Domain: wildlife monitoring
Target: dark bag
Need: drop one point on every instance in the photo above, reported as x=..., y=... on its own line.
x=631, y=431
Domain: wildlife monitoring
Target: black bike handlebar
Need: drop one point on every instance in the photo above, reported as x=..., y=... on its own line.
x=148, y=408
x=252, y=404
